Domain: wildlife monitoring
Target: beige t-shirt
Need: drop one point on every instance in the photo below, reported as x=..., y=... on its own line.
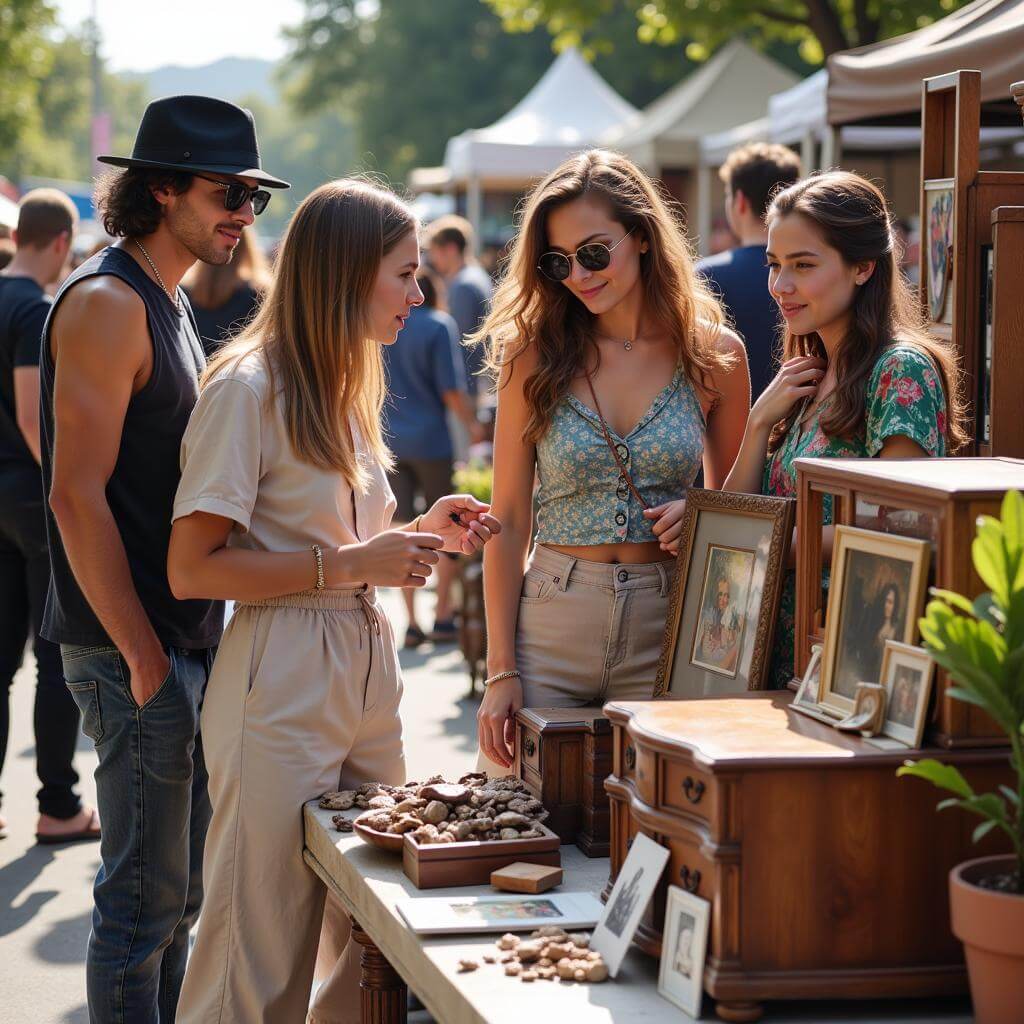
x=237, y=462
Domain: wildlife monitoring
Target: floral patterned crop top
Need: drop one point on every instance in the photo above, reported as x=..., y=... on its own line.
x=583, y=499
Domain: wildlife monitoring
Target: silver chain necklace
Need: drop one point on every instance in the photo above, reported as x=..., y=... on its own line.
x=159, y=280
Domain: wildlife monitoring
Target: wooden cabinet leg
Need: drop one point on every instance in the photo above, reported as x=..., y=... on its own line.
x=382, y=992
x=739, y=1012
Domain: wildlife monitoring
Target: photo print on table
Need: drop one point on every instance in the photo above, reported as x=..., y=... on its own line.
x=684, y=949
x=807, y=695
x=876, y=595
x=636, y=882
x=725, y=596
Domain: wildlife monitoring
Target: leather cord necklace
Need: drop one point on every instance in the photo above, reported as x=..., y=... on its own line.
x=611, y=445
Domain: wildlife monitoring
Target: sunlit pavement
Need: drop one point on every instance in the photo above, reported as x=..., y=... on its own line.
x=46, y=891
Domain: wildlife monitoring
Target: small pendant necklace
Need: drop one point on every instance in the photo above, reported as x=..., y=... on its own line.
x=159, y=280
x=627, y=343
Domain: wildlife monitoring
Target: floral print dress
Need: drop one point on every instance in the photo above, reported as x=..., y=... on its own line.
x=904, y=397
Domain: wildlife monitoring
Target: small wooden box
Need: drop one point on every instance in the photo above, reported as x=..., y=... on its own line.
x=528, y=878
x=938, y=500
x=564, y=755
x=440, y=865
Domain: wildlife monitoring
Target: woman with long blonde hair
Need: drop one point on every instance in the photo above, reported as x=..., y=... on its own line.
x=617, y=382
x=284, y=508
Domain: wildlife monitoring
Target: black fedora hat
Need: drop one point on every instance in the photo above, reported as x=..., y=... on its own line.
x=197, y=133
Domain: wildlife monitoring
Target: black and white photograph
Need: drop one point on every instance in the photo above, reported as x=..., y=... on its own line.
x=683, y=949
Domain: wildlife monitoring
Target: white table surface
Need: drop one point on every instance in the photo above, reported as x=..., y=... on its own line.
x=370, y=882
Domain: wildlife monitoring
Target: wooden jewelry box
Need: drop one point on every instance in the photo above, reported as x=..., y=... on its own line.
x=564, y=755
x=826, y=873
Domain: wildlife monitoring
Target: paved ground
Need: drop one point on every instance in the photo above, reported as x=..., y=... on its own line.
x=45, y=892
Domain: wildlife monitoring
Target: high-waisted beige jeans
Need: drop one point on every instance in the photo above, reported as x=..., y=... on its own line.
x=303, y=698
x=588, y=632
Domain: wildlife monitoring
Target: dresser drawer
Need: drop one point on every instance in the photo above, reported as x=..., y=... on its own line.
x=529, y=747
x=624, y=758
x=689, y=868
x=685, y=790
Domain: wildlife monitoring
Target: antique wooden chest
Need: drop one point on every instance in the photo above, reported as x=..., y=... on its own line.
x=827, y=874
x=564, y=755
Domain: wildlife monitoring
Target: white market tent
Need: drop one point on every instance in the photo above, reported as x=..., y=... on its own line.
x=570, y=108
x=8, y=212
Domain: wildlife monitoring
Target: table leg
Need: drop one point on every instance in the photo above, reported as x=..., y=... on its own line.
x=738, y=1011
x=382, y=991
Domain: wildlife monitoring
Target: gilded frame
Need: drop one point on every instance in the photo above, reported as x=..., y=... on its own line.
x=776, y=515
x=851, y=540
x=897, y=655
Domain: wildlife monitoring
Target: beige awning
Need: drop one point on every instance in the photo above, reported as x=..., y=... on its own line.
x=882, y=82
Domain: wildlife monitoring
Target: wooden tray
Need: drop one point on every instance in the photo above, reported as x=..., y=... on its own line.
x=437, y=865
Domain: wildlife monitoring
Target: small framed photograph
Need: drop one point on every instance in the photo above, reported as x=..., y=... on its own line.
x=721, y=617
x=493, y=913
x=629, y=897
x=683, y=949
x=907, y=674
x=876, y=594
x=807, y=695
x=938, y=240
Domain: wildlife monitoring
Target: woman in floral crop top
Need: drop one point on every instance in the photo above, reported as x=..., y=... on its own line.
x=860, y=377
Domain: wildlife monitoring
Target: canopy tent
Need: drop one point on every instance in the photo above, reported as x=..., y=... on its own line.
x=570, y=108
x=8, y=212
x=882, y=83
x=728, y=90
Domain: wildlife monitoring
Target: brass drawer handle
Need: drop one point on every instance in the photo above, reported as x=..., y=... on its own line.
x=690, y=879
x=693, y=790
x=529, y=746
x=630, y=757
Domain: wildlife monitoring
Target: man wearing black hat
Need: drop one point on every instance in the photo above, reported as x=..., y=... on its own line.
x=119, y=373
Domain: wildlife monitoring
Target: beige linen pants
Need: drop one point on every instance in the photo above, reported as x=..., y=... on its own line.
x=303, y=698
x=588, y=632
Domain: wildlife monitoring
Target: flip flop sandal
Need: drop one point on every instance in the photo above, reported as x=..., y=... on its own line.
x=85, y=835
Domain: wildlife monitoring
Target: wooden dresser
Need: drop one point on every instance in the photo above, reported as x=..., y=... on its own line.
x=826, y=873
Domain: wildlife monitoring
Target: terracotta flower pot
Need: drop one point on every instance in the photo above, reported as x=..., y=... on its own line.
x=990, y=924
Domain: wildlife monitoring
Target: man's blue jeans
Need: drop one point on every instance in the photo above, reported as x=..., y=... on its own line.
x=154, y=811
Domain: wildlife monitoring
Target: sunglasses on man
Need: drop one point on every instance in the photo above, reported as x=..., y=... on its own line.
x=557, y=266
x=237, y=195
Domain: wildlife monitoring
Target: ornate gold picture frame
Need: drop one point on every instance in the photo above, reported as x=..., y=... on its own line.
x=721, y=618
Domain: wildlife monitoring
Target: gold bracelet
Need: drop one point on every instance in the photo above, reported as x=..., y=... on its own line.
x=319, y=556
x=513, y=673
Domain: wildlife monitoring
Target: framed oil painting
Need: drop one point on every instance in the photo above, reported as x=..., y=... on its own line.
x=725, y=596
x=907, y=676
x=877, y=594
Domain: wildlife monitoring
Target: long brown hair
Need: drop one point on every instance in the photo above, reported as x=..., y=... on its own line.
x=852, y=216
x=313, y=326
x=529, y=310
x=212, y=285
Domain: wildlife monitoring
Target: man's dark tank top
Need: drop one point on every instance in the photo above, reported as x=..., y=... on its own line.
x=141, y=488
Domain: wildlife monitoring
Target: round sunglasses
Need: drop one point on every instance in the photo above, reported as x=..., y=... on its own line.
x=237, y=194
x=557, y=266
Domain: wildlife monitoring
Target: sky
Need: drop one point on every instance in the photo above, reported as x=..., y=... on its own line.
x=185, y=32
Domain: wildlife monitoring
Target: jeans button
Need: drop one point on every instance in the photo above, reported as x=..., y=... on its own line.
x=623, y=575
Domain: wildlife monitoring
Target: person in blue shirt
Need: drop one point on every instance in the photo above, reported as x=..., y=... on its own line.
x=426, y=377
x=751, y=175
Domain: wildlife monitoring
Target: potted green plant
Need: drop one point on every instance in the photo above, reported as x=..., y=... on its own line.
x=980, y=644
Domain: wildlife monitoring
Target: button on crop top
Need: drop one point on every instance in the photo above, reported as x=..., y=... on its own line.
x=584, y=499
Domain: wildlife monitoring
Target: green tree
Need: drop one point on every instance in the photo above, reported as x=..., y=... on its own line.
x=25, y=59
x=370, y=59
x=818, y=27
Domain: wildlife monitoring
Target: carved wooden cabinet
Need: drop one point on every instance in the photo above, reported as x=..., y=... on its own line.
x=564, y=755
x=826, y=873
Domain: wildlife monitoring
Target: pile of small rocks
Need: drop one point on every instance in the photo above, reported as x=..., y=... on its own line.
x=549, y=953
x=474, y=808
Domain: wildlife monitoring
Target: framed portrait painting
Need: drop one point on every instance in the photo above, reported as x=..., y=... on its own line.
x=876, y=595
x=907, y=676
x=721, y=618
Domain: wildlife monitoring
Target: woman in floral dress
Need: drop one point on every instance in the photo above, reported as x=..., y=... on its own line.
x=860, y=377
